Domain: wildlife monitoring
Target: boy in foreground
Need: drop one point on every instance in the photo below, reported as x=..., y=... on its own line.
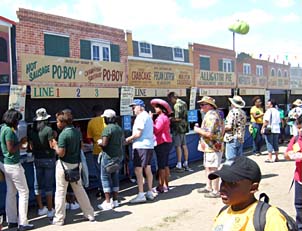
x=240, y=180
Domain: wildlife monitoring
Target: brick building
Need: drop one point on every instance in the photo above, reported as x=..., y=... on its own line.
x=214, y=72
x=62, y=58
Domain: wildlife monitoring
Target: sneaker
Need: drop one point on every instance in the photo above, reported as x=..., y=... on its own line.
x=12, y=225
x=51, y=213
x=149, y=196
x=25, y=227
x=42, y=211
x=105, y=206
x=204, y=190
x=138, y=199
x=188, y=169
x=91, y=218
x=67, y=205
x=212, y=195
x=115, y=204
x=74, y=206
x=158, y=189
x=166, y=189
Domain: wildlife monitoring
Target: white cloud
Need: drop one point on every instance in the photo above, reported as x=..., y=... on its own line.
x=292, y=17
x=284, y=3
x=203, y=4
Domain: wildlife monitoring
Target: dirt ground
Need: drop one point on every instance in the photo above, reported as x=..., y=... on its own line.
x=182, y=208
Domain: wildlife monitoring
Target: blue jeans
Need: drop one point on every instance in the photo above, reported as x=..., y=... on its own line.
x=257, y=142
x=298, y=204
x=233, y=148
x=272, y=142
x=45, y=175
x=97, y=168
x=111, y=181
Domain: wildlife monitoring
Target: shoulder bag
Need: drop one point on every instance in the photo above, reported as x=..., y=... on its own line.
x=71, y=175
x=268, y=128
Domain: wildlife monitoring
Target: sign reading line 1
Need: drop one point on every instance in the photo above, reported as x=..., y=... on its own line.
x=72, y=92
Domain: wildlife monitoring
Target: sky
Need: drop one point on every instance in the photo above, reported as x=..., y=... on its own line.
x=275, y=25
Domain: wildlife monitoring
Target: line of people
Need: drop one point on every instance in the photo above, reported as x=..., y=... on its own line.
x=151, y=132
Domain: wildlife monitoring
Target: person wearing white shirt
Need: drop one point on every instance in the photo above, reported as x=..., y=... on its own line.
x=271, y=119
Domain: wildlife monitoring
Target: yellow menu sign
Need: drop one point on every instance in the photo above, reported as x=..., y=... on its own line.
x=45, y=69
x=215, y=79
x=149, y=74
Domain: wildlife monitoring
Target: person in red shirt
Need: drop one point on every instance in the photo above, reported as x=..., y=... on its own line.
x=294, y=152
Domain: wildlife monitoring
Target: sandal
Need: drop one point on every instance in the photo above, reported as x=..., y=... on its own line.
x=269, y=161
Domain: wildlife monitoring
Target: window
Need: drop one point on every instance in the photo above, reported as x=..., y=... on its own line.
x=103, y=51
x=3, y=50
x=259, y=70
x=178, y=54
x=246, y=69
x=100, y=51
x=204, y=62
x=145, y=49
x=285, y=73
x=227, y=65
x=272, y=72
x=56, y=45
x=279, y=73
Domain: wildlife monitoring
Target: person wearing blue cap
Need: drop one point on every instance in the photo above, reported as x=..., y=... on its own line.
x=142, y=140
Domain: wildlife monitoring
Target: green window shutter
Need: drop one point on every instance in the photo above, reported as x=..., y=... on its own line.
x=233, y=66
x=85, y=49
x=205, y=63
x=115, y=53
x=55, y=45
x=220, y=65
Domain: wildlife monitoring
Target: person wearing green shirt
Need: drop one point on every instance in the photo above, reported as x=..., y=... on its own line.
x=68, y=149
x=111, y=142
x=14, y=172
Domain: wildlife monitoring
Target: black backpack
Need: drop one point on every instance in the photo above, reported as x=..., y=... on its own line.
x=259, y=219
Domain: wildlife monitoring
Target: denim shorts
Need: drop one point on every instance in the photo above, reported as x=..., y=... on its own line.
x=110, y=181
x=45, y=176
x=233, y=148
x=272, y=142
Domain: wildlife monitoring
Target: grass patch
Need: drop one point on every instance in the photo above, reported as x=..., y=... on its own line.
x=166, y=221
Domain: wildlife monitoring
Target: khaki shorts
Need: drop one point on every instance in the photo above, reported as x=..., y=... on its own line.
x=212, y=159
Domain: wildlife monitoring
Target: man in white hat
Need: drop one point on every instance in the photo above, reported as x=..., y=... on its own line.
x=211, y=143
x=294, y=114
x=235, y=128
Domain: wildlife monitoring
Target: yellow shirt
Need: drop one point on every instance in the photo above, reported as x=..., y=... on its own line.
x=242, y=220
x=94, y=130
x=258, y=111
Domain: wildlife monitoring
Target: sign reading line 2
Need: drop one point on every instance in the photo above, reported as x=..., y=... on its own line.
x=72, y=92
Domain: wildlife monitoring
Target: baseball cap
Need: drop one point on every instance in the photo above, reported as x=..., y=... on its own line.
x=239, y=168
x=109, y=113
x=137, y=102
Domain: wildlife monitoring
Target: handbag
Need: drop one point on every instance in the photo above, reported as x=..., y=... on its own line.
x=113, y=165
x=268, y=129
x=71, y=175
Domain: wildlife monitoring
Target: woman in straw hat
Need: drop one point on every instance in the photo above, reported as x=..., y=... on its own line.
x=161, y=128
x=41, y=140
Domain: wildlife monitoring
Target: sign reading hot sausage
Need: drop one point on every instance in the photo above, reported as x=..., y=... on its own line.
x=42, y=69
x=159, y=75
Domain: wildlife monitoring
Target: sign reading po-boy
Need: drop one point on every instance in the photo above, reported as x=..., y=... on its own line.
x=48, y=69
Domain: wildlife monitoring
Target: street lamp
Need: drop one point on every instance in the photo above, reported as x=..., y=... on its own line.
x=239, y=27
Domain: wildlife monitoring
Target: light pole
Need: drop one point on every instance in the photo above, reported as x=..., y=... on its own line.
x=239, y=27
